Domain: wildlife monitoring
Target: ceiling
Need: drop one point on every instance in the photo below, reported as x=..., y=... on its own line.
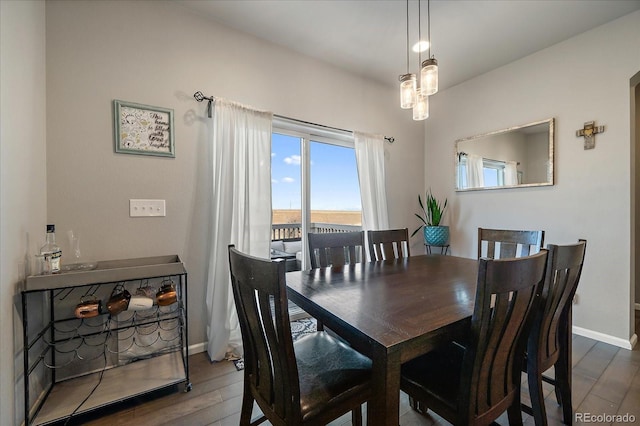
x=470, y=37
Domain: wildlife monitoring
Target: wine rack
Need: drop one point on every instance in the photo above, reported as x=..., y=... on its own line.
x=73, y=366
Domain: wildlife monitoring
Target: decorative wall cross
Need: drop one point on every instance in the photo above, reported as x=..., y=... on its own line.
x=589, y=132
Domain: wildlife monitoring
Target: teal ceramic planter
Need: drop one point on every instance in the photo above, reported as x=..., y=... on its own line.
x=436, y=235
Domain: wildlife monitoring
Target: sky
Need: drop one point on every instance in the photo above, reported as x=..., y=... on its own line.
x=334, y=178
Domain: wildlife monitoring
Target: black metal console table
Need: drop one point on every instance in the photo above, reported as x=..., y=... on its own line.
x=76, y=365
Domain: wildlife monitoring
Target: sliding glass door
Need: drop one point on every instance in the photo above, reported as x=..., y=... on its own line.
x=314, y=189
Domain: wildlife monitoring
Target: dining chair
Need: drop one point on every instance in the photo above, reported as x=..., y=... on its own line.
x=472, y=381
x=547, y=345
x=336, y=248
x=388, y=244
x=508, y=242
x=311, y=381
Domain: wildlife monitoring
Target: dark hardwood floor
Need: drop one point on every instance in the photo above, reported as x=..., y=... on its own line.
x=606, y=381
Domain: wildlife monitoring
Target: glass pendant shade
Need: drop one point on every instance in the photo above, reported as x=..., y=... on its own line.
x=408, y=86
x=429, y=76
x=421, y=108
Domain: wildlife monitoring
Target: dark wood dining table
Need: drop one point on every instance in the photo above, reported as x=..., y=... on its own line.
x=392, y=311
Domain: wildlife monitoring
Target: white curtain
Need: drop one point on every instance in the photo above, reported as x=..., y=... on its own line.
x=475, y=172
x=511, y=173
x=241, y=212
x=370, y=162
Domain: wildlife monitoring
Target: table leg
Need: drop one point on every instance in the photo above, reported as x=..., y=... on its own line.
x=384, y=408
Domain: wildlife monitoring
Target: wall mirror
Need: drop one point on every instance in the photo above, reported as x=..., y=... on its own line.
x=520, y=156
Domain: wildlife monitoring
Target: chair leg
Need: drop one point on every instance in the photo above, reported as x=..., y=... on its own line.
x=536, y=394
x=556, y=389
x=319, y=325
x=247, y=407
x=356, y=416
x=418, y=406
x=563, y=387
x=514, y=413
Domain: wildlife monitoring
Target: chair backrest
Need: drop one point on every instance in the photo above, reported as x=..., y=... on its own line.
x=505, y=298
x=336, y=248
x=564, y=268
x=508, y=242
x=388, y=244
x=259, y=291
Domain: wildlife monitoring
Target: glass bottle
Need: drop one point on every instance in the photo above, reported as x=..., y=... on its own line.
x=51, y=252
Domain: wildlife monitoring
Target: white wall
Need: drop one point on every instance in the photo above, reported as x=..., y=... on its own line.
x=23, y=193
x=159, y=53
x=582, y=79
x=634, y=196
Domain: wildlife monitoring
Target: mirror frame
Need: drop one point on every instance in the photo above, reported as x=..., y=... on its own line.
x=550, y=166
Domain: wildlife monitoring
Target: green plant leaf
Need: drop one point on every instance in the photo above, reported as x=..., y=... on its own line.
x=432, y=211
x=424, y=212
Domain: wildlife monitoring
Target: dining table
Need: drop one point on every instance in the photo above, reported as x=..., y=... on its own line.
x=391, y=311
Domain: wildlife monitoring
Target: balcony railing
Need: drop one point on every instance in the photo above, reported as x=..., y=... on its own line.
x=292, y=231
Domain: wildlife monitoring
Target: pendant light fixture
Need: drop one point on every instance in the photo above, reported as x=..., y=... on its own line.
x=421, y=107
x=412, y=94
x=429, y=71
x=408, y=86
x=408, y=81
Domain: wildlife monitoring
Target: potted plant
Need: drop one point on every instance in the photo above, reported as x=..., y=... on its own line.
x=431, y=216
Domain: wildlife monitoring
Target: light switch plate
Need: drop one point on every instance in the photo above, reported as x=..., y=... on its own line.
x=147, y=208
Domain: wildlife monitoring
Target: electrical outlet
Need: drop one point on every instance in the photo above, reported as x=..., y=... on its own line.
x=147, y=208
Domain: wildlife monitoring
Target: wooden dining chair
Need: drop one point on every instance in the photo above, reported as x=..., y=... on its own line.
x=508, y=242
x=472, y=382
x=336, y=248
x=549, y=344
x=388, y=244
x=312, y=381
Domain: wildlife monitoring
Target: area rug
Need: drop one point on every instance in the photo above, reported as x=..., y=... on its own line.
x=298, y=329
x=302, y=326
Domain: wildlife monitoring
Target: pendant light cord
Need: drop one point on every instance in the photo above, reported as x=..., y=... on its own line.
x=419, y=36
x=407, y=36
x=429, y=25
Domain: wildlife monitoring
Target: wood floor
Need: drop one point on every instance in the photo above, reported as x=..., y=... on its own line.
x=606, y=380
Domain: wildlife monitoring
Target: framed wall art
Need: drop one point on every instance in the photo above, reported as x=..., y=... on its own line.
x=143, y=129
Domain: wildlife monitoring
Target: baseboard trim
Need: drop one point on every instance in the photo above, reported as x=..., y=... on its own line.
x=633, y=340
x=197, y=348
x=606, y=338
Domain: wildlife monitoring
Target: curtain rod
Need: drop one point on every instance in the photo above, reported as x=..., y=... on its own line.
x=200, y=97
x=464, y=154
